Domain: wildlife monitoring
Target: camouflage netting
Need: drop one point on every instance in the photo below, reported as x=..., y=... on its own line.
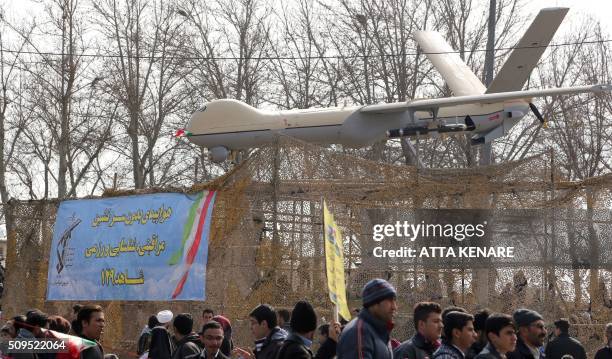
x=266, y=242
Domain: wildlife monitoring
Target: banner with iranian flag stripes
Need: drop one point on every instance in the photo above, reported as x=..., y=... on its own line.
x=144, y=247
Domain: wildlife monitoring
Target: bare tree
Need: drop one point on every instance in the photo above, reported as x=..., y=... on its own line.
x=10, y=131
x=147, y=78
x=305, y=77
x=60, y=101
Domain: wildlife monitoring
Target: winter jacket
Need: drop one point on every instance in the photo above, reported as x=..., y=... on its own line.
x=522, y=351
x=161, y=346
x=144, y=340
x=416, y=347
x=294, y=348
x=604, y=353
x=327, y=350
x=187, y=346
x=365, y=337
x=448, y=351
x=203, y=355
x=95, y=352
x=475, y=349
x=25, y=334
x=564, y=344
x=489, y=352
x=268, y=347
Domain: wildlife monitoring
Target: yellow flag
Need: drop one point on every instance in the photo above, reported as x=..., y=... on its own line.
x=334, y=260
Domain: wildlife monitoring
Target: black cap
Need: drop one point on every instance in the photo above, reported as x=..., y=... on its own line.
x=303, y=318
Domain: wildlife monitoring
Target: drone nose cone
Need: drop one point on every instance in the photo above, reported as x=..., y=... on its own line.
x=221, y=115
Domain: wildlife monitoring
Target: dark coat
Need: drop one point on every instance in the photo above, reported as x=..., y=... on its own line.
x=95, y=352
x=294, y=348
x=202, y=355
x=489, y=352
x=143, y=341
x=187, y=346
x=271, y=344
x=475, y=349
x=365, y=337
x=564, y=344
x=327, y=350
x=161, y=346
x=521, y=352
x=448, y=351
x=227, y=346
x=415, y=348
x=604, y=353
x=25, y=334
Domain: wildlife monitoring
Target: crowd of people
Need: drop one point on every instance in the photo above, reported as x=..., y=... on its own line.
x=450, y=333
x=88, y=323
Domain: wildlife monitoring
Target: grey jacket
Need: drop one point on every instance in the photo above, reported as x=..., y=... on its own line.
x=365, y=337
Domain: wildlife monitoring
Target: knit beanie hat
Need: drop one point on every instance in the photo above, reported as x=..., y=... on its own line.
x=376, y=291
x=303, y=318
x=524, y=317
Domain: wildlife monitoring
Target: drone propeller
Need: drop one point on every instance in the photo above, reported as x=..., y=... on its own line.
x=537, y=114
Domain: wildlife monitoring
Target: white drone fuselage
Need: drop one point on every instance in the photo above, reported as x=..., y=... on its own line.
x=486, y=112
x=235, y=125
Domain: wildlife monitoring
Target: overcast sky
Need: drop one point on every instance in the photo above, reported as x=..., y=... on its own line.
x=599, y=9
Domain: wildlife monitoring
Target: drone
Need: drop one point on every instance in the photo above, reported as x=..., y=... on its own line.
x=487, y=113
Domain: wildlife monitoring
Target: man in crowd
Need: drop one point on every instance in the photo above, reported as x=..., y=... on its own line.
x=459, y=335
x=368, y=335
x=268, y=336
x=33, y=327
x=59, y=324
x=35, y=322
x=303, y=324
x=228, y=345
x=564, y=344
x=531, y=334
x=90, y=325
x=606, y=351
x=428, y=325
x=212, y=338
x=328, y=340
x=187, y=342
x=144, y=340
x=207, y=315
x=501, y=337
x=162, y=345
x=283, y=317
x=480, y=318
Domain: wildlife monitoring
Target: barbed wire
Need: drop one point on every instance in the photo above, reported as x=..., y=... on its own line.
x=356, y=56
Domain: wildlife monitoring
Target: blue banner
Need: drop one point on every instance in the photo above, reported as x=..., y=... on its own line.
x=145, y=247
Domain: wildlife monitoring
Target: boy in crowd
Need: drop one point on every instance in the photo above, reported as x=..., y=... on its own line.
x=459, y=335
x=428, y=325
x=501, y=337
